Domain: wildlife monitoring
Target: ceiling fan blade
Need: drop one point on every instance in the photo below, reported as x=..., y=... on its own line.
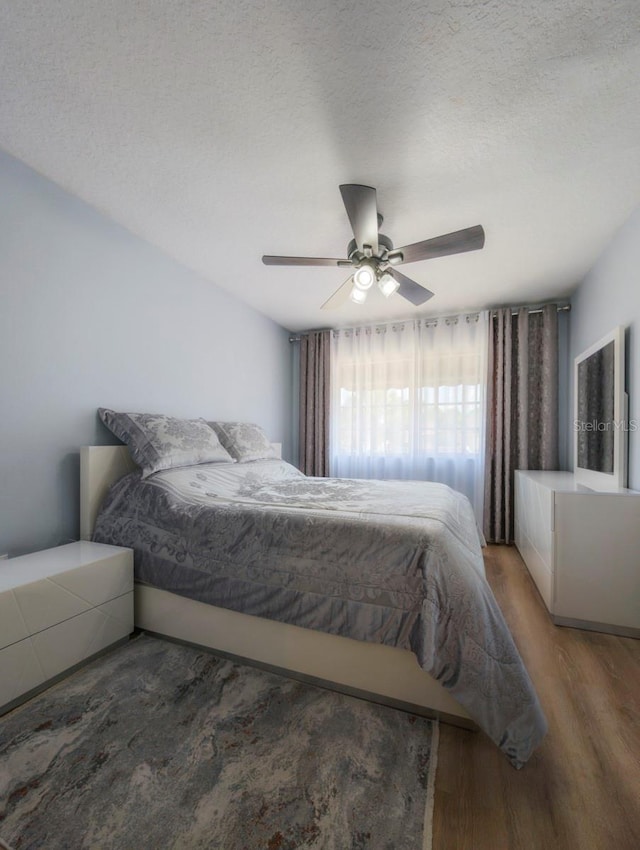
x=469, y=239
x=362, y=209
x=339, y=296
x=411, y=290
x=304, y=261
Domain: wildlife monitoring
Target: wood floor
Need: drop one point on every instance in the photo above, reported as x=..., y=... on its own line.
x=581, y=788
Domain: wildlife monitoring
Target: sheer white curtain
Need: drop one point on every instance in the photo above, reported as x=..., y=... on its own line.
x=408, y=401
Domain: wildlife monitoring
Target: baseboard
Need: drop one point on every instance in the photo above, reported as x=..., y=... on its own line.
x=590, y=626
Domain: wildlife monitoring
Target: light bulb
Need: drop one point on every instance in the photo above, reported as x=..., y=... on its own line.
x=364, y=277
x=358, y=295
x=387, y=284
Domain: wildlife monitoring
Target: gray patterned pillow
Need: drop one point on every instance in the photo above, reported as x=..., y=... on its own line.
x=162, y=442
x=244, y=441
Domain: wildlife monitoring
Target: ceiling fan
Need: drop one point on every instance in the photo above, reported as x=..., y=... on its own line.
x=372, y=256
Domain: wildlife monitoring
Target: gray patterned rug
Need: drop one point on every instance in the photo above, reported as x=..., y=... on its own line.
x=159, y=745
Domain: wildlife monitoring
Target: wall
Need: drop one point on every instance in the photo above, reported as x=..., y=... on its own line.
x=564, y=388
x=610, y=296
x=92, y=316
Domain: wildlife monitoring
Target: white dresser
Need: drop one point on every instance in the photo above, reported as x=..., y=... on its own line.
x=582, y=548
x=59, y=607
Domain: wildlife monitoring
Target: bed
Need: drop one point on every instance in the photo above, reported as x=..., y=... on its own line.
x=208, y=540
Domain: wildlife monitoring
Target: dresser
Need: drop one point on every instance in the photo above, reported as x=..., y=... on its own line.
x=582, y=548
x=58, y=608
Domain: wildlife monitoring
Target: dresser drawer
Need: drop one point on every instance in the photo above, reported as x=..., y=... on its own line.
x=539, y=570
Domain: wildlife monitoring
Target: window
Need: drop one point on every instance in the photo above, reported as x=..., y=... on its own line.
x=408, y=402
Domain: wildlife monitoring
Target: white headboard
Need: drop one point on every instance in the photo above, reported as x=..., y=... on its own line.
x=100, y=467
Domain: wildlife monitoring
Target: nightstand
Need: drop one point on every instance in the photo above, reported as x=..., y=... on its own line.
x=58, y=608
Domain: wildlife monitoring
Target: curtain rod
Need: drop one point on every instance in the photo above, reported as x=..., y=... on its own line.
x=561, y=309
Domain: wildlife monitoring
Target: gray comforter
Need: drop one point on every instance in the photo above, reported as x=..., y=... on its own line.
x=393, y=562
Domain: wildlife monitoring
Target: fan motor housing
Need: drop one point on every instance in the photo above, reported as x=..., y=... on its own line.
x=384, y=246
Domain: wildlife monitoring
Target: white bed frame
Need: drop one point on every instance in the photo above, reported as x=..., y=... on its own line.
x=375, y=672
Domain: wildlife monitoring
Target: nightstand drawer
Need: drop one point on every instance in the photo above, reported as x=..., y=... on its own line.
x=33, y=601
x=59, y=607
x=34, y=660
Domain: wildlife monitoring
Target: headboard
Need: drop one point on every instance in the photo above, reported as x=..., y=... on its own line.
x=100, y=467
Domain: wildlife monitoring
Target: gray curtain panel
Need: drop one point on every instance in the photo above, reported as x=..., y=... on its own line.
x=522, y=408
x=314, y=403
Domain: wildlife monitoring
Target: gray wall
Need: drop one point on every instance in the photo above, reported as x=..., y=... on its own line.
x=564, y=388
x=610, y=296
x=92, y=316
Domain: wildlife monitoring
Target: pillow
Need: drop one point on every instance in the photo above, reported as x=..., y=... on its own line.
x=162, y=442
x=244, y=441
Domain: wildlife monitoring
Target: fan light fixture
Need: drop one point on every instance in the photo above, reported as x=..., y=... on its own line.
x=364, y=277
x=388, y=284
x=358, y=295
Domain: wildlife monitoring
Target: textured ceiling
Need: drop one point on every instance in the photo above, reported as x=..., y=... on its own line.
x=220, y=131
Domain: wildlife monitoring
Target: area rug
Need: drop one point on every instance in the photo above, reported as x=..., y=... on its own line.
x=161, y=746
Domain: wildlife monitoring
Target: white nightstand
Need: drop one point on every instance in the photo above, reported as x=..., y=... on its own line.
x=59, y=607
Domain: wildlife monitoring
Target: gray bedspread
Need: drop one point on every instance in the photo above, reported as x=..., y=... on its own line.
x=393, y=562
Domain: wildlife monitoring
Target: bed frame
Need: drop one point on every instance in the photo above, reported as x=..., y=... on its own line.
x=379, y=673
